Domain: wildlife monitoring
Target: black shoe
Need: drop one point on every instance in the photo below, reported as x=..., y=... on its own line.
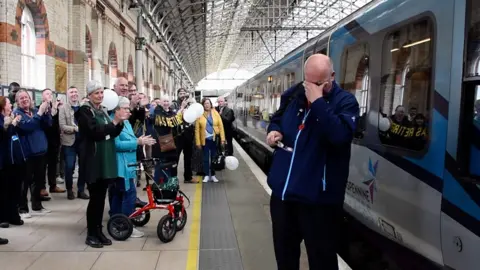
x=140, y=203
x=3, y=241
x=83, y=195
x=17, y=222
x=45, y=198
x=103, y=239
x=4, y=225
x=70, y=195
x=93, y=241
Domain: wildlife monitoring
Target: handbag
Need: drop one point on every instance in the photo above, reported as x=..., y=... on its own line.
x=167, y=143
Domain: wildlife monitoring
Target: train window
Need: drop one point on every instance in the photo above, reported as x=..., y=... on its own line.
x=356, y=79
x=473, y=47
x=406, y=86
x=322, y=51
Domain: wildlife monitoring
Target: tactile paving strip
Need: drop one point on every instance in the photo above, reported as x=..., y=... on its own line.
x=218, y=243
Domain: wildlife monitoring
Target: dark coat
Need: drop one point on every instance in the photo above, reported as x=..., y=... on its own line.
x=91, y=133
x=316, y=171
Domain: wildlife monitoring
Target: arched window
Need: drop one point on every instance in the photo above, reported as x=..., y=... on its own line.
x=364, y=92
x=28, y=48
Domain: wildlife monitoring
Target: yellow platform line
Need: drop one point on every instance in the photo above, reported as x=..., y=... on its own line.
x=194, y=241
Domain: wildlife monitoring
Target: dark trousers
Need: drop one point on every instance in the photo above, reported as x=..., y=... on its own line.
x=317, y=225
x=50, y=165
x=122, y=201
x=11, y=178
x=70, y=154
x=229, y=138
x=185, y=143
x=35, y=181
x=209, y=153
x=96, y=204
x=61, y=164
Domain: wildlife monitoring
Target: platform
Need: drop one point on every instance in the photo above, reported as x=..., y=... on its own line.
x=228, y=229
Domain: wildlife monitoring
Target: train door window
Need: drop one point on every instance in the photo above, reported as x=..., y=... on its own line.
x=473, y=48
x=356, y=79
x=469, y=138
x=406, y=86
x=470, y=122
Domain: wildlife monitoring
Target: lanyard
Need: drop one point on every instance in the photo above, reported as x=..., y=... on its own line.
x=302, y=125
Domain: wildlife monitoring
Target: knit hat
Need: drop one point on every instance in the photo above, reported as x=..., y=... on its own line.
x=93, y=86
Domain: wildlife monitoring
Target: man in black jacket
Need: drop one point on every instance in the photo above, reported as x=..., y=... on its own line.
x=53, y=137
x=185, y=136
x=228, y=117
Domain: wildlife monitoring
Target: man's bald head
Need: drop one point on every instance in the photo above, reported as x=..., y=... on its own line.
x=121, y=87
x=319, y=69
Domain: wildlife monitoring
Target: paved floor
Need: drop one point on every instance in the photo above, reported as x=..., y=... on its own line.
x=56, y=240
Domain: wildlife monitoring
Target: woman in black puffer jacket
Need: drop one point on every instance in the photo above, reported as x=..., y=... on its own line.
x=12, y=167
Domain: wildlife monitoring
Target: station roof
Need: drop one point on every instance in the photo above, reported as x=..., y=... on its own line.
x=207, y=36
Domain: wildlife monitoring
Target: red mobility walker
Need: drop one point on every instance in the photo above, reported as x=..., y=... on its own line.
x=165, y=195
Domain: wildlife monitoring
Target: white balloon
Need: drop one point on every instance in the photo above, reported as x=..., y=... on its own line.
x=198, y=109
x=384, y=124
x=110, y=99
x=189, y=115
x=231, y=163
x=377, y=120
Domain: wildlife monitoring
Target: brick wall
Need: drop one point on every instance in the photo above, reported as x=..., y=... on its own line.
x=83, y=39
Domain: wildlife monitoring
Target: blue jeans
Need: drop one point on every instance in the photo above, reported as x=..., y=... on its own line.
x=70, y=157
x=209, y=153
x=122, y=201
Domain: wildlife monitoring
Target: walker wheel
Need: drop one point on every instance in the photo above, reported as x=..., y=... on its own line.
x=142, y=219
x=166, y=229
x=182, y=219
x=120, y=227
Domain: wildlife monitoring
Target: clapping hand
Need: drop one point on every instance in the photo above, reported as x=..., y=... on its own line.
x=43, y=108
x=146, y=140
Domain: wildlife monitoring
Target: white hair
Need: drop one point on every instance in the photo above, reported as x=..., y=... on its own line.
x=93, y=86
x=123, y=101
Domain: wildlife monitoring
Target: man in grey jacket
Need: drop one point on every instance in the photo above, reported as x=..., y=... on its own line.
x=70, y=140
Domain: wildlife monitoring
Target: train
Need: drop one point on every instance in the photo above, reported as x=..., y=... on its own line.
x=414, y=67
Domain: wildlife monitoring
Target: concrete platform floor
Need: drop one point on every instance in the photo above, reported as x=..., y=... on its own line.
x=55, y=241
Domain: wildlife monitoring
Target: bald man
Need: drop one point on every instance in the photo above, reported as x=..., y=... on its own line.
x=312, y=132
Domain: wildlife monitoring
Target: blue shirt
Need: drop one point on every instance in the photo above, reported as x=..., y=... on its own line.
x=209, y=128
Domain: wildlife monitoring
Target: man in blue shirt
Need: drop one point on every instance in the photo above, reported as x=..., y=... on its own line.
x=313, y=130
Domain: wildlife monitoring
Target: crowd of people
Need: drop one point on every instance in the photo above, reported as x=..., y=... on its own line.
x=47, y=141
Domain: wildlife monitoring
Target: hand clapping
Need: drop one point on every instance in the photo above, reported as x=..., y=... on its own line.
x=146, y=140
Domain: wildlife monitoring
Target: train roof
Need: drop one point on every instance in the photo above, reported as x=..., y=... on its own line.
x=312, y=42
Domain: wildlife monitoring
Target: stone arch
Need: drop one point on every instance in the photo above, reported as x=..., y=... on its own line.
x=89, y=50
x=42, y=31
x=130, y=69
x=112, y=60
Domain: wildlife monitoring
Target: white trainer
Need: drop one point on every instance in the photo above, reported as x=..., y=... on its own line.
x=206, y=179
x=25, y=215
x=215, y=180
x=42, y=211
x=137, y=234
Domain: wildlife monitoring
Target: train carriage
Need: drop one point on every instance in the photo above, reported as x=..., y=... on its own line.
x=414, y=67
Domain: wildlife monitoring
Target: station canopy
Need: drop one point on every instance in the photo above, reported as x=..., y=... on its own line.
x=208, y=36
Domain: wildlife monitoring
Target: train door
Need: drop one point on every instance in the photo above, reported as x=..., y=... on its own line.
x=460, y=221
